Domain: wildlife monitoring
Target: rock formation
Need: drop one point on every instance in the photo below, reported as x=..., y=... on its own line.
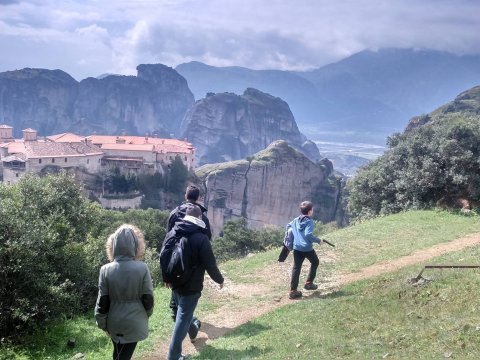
x=51, y=101
x=226, y=126
x=37, y=98
x=267, y=188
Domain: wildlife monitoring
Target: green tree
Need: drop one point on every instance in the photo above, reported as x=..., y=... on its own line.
x=238, y=240
x=177, y=176
x=45, y=272
x=433, y=162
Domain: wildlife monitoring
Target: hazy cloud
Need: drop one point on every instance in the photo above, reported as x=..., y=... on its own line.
x=90, y=37
x=8, y=2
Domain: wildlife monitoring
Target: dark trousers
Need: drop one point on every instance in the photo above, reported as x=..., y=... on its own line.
x=123, y=351
x=298, y=258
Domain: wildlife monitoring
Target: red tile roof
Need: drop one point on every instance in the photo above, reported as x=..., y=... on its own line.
x=15, y=147
x=66, y=137
x=36, y=149
x=161, y=145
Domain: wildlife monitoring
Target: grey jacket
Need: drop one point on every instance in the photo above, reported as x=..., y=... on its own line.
x=125, y=291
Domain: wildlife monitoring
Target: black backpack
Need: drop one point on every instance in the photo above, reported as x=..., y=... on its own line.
x=176, y=260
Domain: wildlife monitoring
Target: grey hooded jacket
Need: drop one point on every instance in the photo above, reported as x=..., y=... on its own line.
x=125, y=291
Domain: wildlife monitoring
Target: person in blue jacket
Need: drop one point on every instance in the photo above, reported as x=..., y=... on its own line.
x=302, y=228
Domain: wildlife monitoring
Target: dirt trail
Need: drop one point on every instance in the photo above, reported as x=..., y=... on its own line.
x=241, y=302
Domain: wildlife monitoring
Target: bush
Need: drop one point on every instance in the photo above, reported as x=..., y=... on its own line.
x=237, y=240
x=46, y=270
x=430, y=163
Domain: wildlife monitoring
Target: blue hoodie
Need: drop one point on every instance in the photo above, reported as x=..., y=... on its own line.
x=302, y=228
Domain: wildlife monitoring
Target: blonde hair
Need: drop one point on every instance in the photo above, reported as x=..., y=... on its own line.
x=140, y=251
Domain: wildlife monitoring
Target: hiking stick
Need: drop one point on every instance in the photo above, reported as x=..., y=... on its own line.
x=328, y=242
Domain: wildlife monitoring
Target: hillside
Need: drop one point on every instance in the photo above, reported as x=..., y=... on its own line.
x=402, y=320
x=434, y=162
x=339, y=320
x=465, y=105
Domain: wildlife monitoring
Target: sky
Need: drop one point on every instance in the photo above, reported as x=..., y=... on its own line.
x=93, y=37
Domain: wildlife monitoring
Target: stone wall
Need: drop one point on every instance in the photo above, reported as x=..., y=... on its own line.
x=133, y=203
x=91, y=163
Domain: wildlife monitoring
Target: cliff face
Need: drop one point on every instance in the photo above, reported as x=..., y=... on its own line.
x=268, y=189
x=225, y=127
x=51, y=101
x=37, y=98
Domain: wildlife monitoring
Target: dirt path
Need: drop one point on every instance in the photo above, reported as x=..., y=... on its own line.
x=244, y=302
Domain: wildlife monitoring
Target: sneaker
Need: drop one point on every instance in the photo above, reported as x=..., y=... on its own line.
x=195, y=325
x=184, y=357
x=294, y=294
x=310, y=286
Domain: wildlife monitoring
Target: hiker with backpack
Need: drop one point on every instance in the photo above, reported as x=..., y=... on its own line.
x=185, y=256
x=192, y=194
x=302, y=229
x=125, y=292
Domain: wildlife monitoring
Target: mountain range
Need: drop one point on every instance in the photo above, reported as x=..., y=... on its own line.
x=363, y=98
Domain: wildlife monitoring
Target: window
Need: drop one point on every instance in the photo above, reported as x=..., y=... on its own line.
x=65, y=159
x=16, y=174
x=88, y=161
x=39, y=161
x=185, y=158
x=53, y=160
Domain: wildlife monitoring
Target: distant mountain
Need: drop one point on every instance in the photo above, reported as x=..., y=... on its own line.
x=298, y=92
x=51, y=101
x=105, y=75
x=361, y=98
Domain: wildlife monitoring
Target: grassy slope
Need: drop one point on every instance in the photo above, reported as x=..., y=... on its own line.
x=390, y=237
x=385, y=317
x=336, y=324
x=382, y=317
x=51, y=343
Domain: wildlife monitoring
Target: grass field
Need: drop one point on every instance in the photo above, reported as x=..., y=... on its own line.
x=382, y=318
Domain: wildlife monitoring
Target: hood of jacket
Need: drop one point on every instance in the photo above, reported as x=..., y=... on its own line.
x=124, y=243
x=182, y=209
x=187, y=225
x=299, y=223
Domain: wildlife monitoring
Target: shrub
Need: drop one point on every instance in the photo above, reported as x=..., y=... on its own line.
x=46, y=270
x=433, y=162
x=238, y=240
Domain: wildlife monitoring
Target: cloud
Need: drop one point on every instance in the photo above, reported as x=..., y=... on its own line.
x=8, y=2
x=115, y=36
